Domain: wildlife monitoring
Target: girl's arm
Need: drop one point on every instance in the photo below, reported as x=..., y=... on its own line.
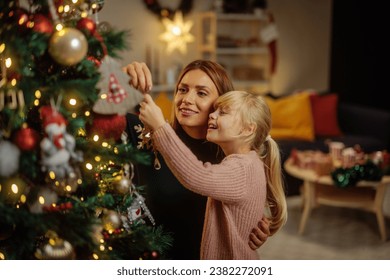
x=151, y=115
x=216, y=181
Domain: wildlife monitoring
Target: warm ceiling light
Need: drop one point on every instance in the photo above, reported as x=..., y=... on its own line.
x=177, y=33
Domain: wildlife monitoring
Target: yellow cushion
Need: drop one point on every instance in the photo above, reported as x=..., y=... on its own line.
x=292, y=117
x=165, y=103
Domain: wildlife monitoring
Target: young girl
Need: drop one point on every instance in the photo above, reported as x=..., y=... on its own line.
x=179, y=210
x=248, y=178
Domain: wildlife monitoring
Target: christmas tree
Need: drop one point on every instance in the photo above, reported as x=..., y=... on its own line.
x=66, y=167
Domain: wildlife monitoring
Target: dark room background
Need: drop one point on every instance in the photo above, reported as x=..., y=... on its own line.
x=360, y=51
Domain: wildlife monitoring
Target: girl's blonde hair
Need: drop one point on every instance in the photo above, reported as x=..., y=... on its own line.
x=254, y=111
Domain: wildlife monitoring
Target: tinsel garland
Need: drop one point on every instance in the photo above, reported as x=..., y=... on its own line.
x=155, y=7
x=348, y=177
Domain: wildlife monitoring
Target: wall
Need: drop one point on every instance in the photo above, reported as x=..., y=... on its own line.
x=303, y=46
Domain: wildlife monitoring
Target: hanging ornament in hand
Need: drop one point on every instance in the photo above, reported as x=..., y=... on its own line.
x=116, y=95
x=68, y=46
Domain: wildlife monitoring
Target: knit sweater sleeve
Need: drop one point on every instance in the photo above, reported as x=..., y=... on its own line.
x=225, y=182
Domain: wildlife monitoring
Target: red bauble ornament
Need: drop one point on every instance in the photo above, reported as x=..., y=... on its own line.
x=87, y=25
x=26, y=139
x=108, y=126
x=42, y=24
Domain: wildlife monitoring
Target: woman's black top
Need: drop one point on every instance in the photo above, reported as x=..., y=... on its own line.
x=179, y=210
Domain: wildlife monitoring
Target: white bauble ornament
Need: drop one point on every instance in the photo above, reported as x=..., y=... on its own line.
x=9, y=158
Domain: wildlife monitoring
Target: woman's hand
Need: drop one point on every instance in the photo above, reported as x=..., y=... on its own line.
x=259, y=235
x=140, y=76
x=150, y=114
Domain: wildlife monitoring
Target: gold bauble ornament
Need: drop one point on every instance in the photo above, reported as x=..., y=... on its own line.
x=55, y=249
x=68, y=46
x=111, y=220
x=66, y=185
x=11, y=189
x=122, y=185
x=96, y=233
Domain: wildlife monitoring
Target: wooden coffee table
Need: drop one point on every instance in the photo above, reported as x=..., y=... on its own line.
x=320, y=190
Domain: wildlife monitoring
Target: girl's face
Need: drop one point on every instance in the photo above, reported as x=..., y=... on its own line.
x=225, y=129
x=194, y=101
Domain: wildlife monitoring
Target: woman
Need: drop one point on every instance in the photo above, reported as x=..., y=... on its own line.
x=249, y=177
x=179, y=210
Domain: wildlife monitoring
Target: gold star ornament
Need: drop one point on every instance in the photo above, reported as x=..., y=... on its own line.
x=177, y=33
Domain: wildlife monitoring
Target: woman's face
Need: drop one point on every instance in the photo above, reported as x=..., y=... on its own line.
x=194, y=101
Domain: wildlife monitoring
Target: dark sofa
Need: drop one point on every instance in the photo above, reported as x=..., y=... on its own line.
x=368, y=127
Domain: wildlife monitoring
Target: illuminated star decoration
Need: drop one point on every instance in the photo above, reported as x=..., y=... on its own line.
x=177, y=33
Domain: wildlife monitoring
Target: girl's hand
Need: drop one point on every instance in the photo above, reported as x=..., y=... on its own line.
x=259, y=234
x=150, y=114
x=140, y=76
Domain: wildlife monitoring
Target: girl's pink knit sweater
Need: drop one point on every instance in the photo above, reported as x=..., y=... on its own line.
x=236, y=190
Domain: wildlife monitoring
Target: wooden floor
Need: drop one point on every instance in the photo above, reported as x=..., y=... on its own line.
x=332, y=233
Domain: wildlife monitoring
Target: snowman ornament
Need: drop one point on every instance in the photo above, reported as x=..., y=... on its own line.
x=58, y=146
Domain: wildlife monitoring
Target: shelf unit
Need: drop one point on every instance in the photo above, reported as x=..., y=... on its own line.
x=234, y=41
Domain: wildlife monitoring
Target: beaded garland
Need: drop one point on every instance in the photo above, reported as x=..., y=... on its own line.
x=155, y=7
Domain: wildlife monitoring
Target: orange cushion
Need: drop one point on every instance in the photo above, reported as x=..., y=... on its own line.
x=324, y=110
x=292, y=117
x=165, y=103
